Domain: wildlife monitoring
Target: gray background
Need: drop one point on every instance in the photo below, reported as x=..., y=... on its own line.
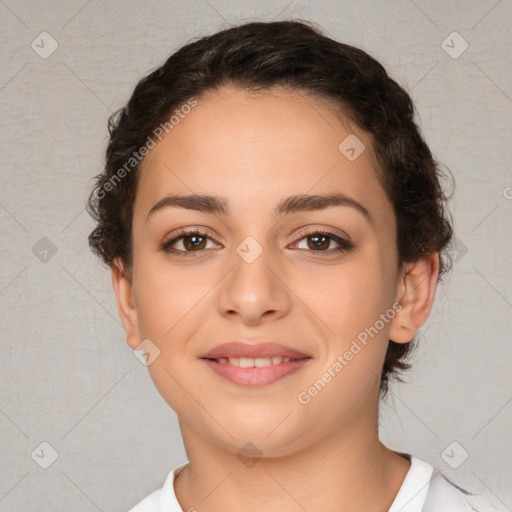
x=68, y=377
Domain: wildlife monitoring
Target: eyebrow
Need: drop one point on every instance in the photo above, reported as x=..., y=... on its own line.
x=297, y=203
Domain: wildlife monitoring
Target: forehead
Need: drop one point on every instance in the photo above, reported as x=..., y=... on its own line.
x=256, y=148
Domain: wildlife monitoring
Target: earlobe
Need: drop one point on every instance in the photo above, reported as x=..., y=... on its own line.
x=122, y=285
x=415, y=292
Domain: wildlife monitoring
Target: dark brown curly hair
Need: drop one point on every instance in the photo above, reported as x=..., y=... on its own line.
x=290, y=54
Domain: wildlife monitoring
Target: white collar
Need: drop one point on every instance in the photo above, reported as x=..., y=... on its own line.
x=410, y=498
x=414, y=489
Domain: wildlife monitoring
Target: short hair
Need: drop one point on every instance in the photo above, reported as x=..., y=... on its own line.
x=259, y=56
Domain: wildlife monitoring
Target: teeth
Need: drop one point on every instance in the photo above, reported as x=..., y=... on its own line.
x=249, y=362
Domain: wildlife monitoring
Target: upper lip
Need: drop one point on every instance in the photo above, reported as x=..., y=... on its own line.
x=252, y=350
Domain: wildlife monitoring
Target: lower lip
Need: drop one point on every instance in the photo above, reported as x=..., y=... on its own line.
x=256, y=376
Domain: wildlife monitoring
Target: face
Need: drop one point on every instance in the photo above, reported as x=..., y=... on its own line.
x=309, y=279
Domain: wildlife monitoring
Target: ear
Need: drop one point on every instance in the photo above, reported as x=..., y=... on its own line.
x=122, y=283
x=415, y=292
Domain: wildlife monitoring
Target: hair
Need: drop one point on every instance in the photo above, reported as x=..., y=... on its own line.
x=259, y=56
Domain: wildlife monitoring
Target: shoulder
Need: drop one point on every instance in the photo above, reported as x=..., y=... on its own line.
x=426, y=489
x=150, y=503
x=445, y=496
x=163, y=499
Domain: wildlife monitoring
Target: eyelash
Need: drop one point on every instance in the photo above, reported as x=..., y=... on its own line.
x=344, y=245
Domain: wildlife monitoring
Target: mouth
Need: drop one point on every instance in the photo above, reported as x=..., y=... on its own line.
x=257, y=372
x=247, y=363
x=258, y=362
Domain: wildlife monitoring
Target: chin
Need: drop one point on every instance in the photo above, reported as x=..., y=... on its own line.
x=266, y=438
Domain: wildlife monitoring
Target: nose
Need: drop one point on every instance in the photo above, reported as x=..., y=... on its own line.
x=255, y=289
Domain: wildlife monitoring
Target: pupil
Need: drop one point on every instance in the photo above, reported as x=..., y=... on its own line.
x=322, y=244
x=193, y=244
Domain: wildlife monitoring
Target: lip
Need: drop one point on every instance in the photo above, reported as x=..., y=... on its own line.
x=255, y=376
x=251, y=377
x=253, y=350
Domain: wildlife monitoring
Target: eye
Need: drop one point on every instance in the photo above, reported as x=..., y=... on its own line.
x=189, y=242
x=319, y=241
x=193, y=241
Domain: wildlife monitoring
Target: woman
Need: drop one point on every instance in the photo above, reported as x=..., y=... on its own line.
x=276, y=229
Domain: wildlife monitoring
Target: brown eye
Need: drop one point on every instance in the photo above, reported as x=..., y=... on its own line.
x=193, y=242
x=320, y=241
x=188, y=243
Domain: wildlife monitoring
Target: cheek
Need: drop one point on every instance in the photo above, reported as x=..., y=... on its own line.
x=169, y=303
x=167, y=296
x=349, y=301
x=348, y=297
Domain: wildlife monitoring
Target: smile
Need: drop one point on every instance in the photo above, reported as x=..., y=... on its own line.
x=246, y=371
x=249, y=362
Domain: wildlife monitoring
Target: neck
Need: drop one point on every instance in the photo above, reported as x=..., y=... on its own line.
x=335, y=473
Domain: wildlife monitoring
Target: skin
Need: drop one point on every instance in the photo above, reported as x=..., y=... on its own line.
x=254, y=150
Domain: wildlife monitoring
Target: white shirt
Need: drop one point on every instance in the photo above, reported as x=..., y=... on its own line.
x=424, y=489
